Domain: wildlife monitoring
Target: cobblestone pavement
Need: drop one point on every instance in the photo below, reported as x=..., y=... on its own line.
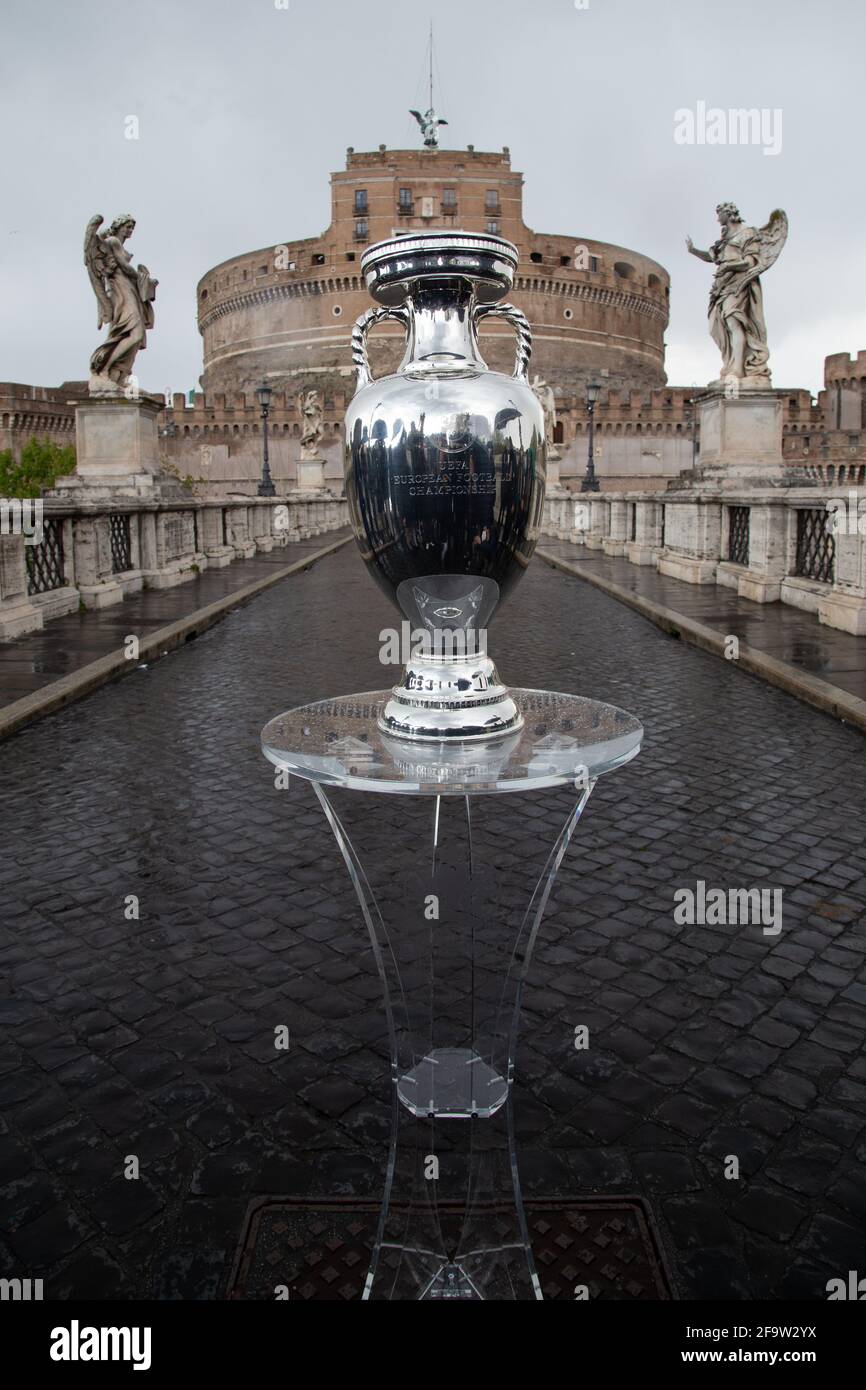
x=155, y=1037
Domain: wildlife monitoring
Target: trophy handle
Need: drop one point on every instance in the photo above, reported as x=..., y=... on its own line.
x=519, y=321
x=360, y=360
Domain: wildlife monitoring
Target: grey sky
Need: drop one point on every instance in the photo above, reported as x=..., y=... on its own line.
x=245, y=109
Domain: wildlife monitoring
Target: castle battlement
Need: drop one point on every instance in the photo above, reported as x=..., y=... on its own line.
x=842, y=367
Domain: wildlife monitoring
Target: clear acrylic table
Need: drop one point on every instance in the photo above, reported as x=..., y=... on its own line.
x=452, y=883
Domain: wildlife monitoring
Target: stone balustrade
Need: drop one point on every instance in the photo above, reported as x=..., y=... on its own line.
x=804, y=546
x=91, y=554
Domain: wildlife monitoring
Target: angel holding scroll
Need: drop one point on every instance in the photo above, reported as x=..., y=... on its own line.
x=125, y=296
x=736, y=311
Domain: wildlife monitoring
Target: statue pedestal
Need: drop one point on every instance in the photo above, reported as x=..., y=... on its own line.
x=741, y=440
x=117, y=447
x=311, y=475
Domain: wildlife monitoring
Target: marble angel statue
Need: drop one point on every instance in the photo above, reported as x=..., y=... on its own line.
x=736, y=311
x=545, y=394
x=125, y=295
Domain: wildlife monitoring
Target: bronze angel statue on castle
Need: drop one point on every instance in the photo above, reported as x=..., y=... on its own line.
x=125, y=296
x=736, y=311
x=429, y=123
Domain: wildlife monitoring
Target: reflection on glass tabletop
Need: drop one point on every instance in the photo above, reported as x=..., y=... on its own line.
x=564, y=739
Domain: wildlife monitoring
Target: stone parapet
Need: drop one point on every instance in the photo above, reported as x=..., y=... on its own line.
x=92, y=554
x=801, y=546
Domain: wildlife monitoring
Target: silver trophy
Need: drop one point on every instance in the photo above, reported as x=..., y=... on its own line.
x=445, y=473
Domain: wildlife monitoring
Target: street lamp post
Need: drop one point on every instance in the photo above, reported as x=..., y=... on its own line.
x=266, y=486
x=590, y=481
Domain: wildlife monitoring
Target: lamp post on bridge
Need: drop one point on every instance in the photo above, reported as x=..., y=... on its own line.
x=590, y=482
x=266, y=486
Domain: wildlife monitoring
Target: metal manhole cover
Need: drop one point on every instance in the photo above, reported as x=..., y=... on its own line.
x=320, y=1249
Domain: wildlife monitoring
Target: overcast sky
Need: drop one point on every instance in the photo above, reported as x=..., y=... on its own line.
x=245, y=108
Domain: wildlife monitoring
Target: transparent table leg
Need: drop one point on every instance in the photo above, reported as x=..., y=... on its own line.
x=452, y=993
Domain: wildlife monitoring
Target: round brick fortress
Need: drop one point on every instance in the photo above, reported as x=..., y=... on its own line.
x=285, y=314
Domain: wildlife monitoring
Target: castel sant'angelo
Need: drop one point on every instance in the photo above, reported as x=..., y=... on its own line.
x=285, y=313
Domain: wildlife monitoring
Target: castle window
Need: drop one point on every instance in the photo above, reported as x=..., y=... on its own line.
x=263, y=270
x=360, y=200
x=361, y=230
x=565, y=260
x=318, y=259
x=336, y=311
x=493, y=228
x=491, y=200
x=204, y=294
x=654, y=282
x=593, y=263
x=623, y=270
x=449, y=197
x=536, y=257
x=404, y=200
x=350, y=255
x=568, y=313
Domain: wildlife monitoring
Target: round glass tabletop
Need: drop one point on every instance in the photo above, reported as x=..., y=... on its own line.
x=564, y=738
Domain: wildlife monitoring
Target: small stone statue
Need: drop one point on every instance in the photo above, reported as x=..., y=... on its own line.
x=429, y=124
x=312, y=426
x=125, y=297
x=544, y=392
x=736, y=309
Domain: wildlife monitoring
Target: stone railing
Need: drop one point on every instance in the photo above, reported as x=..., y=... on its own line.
x=804, y=546
x=92, y=554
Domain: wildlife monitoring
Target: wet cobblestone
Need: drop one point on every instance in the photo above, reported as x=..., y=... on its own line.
x=154, y=1037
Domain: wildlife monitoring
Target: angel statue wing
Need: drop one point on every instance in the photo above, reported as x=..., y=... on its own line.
x=768, y=241
x=98, y=269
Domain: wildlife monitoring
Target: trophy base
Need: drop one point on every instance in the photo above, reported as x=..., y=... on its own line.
x=450, y=698
x=452, y=1083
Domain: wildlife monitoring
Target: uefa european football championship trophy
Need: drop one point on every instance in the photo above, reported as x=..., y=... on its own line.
x=445, y=469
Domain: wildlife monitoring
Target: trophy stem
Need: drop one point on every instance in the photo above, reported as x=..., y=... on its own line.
x=453, y=698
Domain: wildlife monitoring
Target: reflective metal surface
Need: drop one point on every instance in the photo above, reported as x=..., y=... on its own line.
x=445, y=459
x=463, y=696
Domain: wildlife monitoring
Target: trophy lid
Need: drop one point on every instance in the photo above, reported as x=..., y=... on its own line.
x=489, y=261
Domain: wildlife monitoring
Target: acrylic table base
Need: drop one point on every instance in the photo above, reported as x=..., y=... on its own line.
x=452, y=876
